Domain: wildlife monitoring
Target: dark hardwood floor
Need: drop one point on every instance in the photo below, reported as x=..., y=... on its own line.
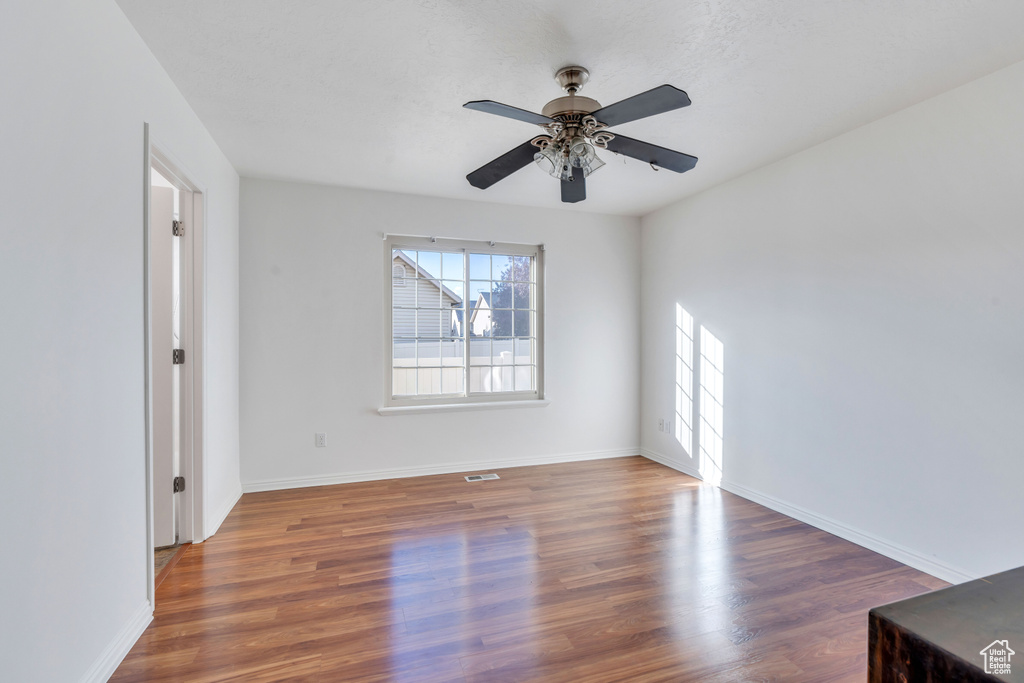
x=610, y=570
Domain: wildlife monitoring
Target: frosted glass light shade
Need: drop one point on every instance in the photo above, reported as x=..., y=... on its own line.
x=553, y=162
x=583, y=156
x=548, y=159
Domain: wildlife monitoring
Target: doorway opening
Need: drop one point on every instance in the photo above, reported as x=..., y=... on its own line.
x=174, y=208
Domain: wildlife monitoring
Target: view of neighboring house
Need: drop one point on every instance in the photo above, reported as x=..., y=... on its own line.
x=480, y=318
x=457, y=327
x=411, y=283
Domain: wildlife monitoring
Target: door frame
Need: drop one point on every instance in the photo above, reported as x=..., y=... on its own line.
x=193, y=296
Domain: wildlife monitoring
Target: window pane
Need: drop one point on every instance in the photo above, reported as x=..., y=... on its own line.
x=501, y=325
x=452, y=352
x=403, y=353
x=403, y=382
x=459, y=328
x=429, y=294
x=522, y=324
x=403, y=322
x=452, y=380
x=430, y=264
x=428, y=323
x=524, y=351
x=403, y=292
x=479, y=379
x=501, y=297
x=501, y=351
x=428, y=381
x=428, y=354
x=523, y=271
x=452, y=293
x=521, y=295
x=480, y=313
x=480, y=352
x=404, y=258
x=444, y=322
x=453, y=266
x=478, y=287
x=501, y=267
x=524, y=378
x=503, y=378
x=480, y=266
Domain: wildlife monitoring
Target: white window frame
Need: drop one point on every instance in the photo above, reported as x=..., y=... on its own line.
x=420, y=243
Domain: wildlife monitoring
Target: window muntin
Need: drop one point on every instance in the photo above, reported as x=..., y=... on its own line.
x=465, y=322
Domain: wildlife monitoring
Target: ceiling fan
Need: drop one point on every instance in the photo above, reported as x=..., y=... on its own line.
x=574, y=126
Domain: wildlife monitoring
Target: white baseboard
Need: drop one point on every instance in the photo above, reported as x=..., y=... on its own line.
x=894, y=551
x=214, y=522
x=448, y=468
x=669, y=461
x=105, y=666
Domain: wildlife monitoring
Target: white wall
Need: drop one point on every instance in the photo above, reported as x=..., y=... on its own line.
x=870, y=296
x=77, y=85
x=312, y=263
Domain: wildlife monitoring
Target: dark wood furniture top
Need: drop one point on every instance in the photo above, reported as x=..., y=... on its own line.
x=940, y=636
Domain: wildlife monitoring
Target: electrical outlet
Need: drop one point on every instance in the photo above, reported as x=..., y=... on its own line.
x=321, y=440
x=661, y=424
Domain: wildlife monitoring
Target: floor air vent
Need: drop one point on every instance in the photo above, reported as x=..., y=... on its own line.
x=481, y=477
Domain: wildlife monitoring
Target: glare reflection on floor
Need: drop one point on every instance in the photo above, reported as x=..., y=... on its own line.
x=467, y=575
x=698, y=580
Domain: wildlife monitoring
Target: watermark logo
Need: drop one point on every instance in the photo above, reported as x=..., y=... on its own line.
x=997, y=657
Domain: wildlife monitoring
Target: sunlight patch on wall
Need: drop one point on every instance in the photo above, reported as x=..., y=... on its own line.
x=712, y=380
x=684, y=379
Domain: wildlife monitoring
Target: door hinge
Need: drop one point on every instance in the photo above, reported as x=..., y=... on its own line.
x=179, y=484
x=178, y=357
x=178, y=228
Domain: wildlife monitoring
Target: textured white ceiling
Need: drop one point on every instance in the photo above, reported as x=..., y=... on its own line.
x=369, y=93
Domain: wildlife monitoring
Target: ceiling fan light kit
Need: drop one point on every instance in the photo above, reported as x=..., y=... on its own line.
x=574, y=128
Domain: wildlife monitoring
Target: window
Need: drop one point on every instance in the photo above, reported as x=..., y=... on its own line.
x=465, y=321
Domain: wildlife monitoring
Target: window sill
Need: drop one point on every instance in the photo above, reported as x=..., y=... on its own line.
x=459, y=407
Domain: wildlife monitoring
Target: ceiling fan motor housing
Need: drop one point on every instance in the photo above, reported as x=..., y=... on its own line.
x=570, y=104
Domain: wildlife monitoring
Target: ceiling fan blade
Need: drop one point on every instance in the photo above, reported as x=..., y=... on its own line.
x=502, y=167
x=574, y=190
x=492, y=107
x=655, y=101
x=652, y=154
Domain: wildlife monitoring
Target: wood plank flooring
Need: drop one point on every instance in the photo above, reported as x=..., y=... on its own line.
x=610, y=570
